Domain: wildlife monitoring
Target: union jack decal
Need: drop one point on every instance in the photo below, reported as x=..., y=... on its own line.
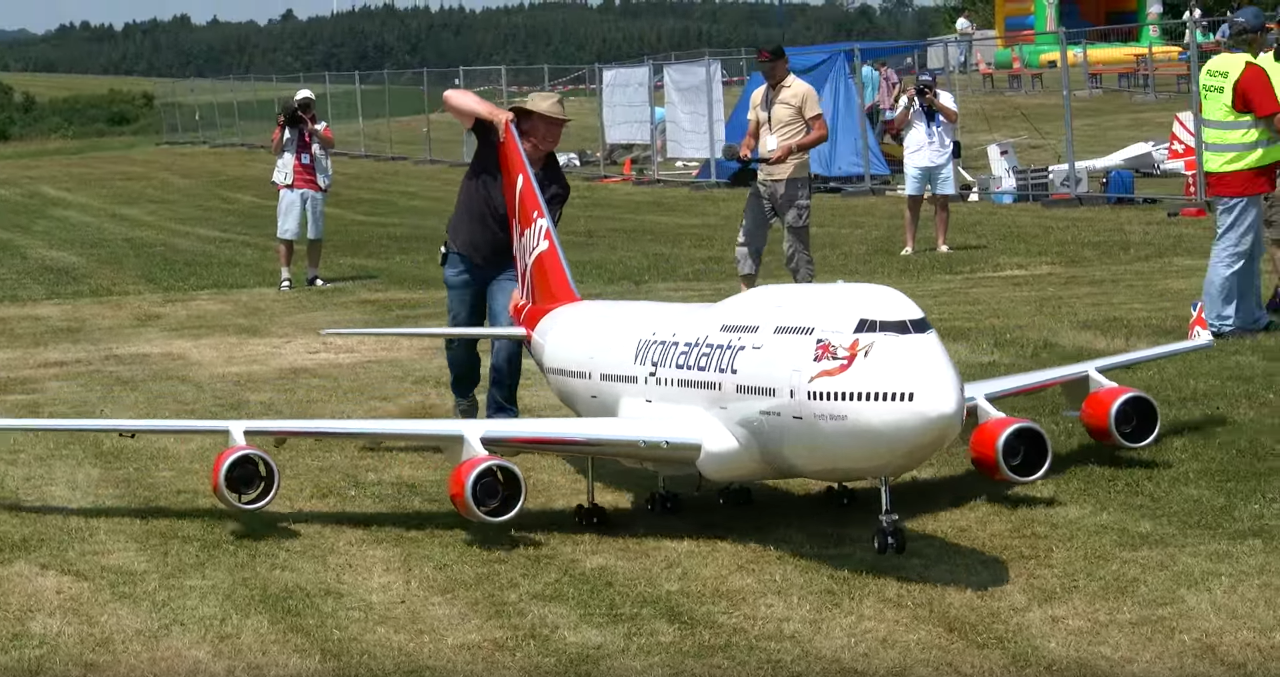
x=826, y=351
x=1198, y=330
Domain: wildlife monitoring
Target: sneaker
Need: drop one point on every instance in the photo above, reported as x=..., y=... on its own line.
x=944, y=248
x=286, y=284
x=906, y=251
x=315, y=281
x=467, y=408
x=1273, y=304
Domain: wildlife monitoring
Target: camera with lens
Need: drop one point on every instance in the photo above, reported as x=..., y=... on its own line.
x=292, y=116
x=923, y=90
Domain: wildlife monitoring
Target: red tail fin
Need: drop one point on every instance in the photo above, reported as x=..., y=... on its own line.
x=542, y=274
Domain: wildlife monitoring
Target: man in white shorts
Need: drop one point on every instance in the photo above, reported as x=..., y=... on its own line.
x=928, y=116
x=303, y=174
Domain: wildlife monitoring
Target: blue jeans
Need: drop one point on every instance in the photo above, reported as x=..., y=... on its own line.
x=1232, y=285
x=473, y=293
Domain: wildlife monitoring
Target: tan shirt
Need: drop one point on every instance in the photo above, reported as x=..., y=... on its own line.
x=792, y=104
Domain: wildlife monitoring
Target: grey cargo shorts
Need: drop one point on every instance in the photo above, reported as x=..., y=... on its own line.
x=786, y=200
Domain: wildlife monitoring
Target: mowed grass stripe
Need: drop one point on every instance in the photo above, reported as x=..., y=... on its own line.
x=114, y=557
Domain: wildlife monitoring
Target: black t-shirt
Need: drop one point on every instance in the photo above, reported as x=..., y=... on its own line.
x=479, y=228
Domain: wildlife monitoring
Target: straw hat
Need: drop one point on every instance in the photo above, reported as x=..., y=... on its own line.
x=549, y=104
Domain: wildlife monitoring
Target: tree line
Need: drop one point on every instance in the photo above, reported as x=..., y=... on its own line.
x=386, y=37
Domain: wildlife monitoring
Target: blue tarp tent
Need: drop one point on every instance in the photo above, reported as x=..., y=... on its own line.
x=829, y=69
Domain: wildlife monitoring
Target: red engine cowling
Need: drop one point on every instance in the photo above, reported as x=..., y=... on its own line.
x=245, y=478
x=1120, y=415
x=487, y=489
x=1010, y=449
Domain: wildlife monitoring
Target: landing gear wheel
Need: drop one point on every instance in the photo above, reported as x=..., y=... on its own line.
x=839, y=493
x=663, y=501
x=898, y=540
x=734, y=495
x=881, y=540
x=590, y=516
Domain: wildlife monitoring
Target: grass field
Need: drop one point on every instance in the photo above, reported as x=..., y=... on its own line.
x=140, y=282
x=49, y=85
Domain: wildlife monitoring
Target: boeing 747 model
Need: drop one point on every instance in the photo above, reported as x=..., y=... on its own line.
x=829, y=382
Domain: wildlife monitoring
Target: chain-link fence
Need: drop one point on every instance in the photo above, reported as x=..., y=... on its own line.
x=1035, y=108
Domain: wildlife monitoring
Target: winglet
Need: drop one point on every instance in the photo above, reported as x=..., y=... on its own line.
x=542, y=273
x=1198, y=330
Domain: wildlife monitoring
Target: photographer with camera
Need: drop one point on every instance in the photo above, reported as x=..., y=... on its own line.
x=928, y=115
x=302, y=176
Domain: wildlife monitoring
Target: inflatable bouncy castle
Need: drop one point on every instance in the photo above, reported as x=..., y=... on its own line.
x=1030, y=27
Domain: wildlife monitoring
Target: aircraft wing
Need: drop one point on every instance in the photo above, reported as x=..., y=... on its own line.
x=515, y=333
x=1031, y=381
x=676, y=441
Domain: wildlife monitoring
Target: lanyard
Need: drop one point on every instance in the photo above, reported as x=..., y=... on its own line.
x=929, y=127
x=768, y=104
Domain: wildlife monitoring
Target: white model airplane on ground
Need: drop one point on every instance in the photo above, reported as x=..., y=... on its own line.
x=830, y=382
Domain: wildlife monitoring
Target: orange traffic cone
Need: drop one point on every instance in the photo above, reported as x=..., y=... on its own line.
x=626, y=166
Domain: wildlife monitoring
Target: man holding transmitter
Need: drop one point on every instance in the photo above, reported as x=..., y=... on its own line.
x=785, y=113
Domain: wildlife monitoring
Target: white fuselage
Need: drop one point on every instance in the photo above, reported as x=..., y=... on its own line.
x=754, y=363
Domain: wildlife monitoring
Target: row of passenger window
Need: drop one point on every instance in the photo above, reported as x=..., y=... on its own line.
x=691, y=383
x=862, y=396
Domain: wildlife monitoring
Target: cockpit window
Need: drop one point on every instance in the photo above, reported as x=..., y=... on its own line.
x=894, y=327
x=918, y=325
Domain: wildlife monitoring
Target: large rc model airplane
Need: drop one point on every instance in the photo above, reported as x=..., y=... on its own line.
x=830, y=382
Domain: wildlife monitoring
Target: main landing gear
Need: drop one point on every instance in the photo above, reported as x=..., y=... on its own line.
x=731, y=494
x=888, y=534
x=591, y=514
x=839, y=493
x=662, y=500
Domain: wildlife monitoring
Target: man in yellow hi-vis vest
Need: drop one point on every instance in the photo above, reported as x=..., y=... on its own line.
x=1240, y=116
x=1270, y=60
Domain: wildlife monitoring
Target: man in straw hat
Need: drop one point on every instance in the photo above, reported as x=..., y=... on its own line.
x=479, y=268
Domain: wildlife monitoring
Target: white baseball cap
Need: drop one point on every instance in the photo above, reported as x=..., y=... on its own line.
x=304, y=94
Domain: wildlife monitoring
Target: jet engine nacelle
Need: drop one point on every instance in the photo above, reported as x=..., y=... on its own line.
x=1010, y=449
x=487, y=489
x=245, y=478
x=1120, y=415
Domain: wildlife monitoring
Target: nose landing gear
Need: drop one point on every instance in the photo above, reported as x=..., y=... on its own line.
x=888, y=535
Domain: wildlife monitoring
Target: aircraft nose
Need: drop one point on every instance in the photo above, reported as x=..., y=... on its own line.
x=940, y=400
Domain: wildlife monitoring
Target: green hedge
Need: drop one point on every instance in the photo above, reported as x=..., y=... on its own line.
x=79, y=116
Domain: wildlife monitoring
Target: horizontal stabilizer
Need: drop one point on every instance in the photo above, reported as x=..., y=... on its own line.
x=515, y=333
